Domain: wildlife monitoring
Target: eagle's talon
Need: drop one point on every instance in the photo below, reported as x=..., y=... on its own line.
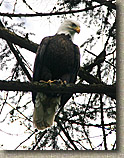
x=64, y=83
x=59, y=81
x=47, y=82
x=42, y=81
x=55, y=82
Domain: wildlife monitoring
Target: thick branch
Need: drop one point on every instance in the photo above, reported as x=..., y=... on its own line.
x=85, y=75
x=18, y=40
x=49, y=14
x=109, y=90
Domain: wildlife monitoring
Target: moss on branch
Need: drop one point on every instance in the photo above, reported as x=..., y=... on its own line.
x=109, y=90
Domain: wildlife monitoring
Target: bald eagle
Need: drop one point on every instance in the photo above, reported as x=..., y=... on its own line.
x=57, y=58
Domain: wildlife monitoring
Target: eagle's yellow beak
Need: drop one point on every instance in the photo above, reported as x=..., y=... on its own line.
x=77, y=29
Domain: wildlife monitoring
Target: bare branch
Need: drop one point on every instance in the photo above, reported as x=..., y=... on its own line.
x=102, y=123
x=25, y=140
x=18, y=40
x=90, y=124
x=19, y=59
x=21, y=63
x=39, y=139
x=85, y=75
x=49, y=14
x=67, y=135
x=107, y=3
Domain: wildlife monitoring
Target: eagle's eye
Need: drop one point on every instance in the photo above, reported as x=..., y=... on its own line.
x=74, y=25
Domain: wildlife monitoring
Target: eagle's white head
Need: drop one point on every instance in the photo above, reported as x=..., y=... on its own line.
x=69, y=27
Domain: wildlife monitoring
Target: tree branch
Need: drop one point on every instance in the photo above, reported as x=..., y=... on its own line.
x=18, y=58
x=109, y=90
x=67, y=135
x=49, y=14
x=25, y=140
x=107, y=3
x=39, y=139
x=90, y=124
x=18, y=40
x=85, y=75
x=21, y=63
x=102, y=123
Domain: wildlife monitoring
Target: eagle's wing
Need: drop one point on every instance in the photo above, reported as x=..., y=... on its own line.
x=38, y=62
x=73, y=76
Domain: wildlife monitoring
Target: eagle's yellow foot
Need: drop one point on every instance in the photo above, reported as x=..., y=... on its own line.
x=42, y=81
x=49, y=82
x=64, y=82
x=46, y=82
x=54, y=81
x=59, y=82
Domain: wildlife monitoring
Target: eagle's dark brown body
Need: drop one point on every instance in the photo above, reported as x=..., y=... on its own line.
x=57, y=58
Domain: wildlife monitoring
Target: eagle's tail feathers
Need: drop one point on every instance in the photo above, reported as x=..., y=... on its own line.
x=44, y=111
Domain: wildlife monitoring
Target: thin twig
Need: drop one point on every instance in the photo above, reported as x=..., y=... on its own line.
x=21, y=63
x=67, y=135
x=88, y=139
x=43, y=133
x=96, y=56
x=5, y=100
x=25, y=140
x=65, y=142
x=102, y=123
x=18, y=58
x=49, y=14
x=19, y=112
